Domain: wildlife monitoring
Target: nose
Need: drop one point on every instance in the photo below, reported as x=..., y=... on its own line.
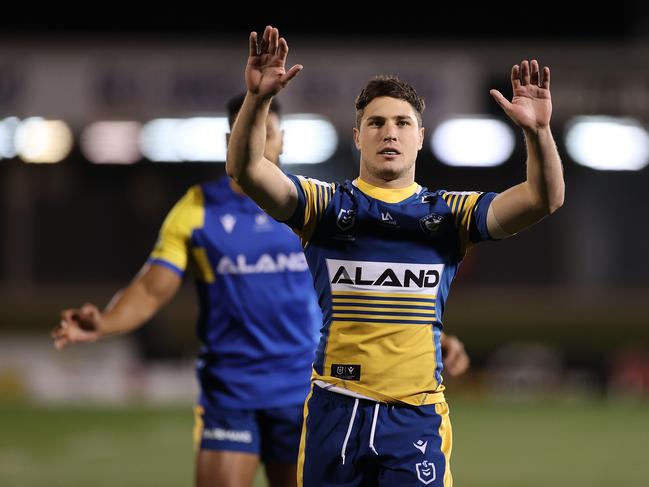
x=389, y=132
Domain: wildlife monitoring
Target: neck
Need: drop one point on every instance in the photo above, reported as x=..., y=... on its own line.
x=402, y=181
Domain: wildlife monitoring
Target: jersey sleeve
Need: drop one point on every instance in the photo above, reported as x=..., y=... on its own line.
x=469, y=210
x=172, y=249
x=313, y=198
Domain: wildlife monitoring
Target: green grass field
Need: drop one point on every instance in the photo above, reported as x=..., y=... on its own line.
x=557, y=444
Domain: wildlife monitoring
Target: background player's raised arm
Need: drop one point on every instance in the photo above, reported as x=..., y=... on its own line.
x=542, y=193
x=265, y=76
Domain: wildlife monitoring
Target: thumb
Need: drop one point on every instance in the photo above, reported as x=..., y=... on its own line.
x=500, y=99
x=291, y=73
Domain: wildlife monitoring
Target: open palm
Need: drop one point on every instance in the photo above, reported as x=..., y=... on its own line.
x=266, y=73
x=531, y=105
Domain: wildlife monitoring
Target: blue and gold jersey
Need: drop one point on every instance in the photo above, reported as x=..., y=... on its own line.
x=382, y=263
x=258, y=315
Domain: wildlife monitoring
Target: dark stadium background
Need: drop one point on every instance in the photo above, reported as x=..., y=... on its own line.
x=556, y=320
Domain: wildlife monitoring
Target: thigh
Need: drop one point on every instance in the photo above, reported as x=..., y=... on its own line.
x=225, y=468
x=415, y=443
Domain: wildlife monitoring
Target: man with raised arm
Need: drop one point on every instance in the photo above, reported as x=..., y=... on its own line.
x=383, y=252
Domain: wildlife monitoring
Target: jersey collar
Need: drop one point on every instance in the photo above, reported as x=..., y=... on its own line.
x=388, y=195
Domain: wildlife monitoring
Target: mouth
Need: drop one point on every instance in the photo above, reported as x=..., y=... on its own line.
x=389, y=152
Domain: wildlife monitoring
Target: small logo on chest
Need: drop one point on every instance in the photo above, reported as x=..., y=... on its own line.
x=228, y=222
x=346, y=219
x=431, y=224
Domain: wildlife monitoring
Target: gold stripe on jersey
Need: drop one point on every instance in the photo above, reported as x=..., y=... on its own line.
x=300, y=455
x=187, y=215
x=318, y=195
x=204, y=269
x=446, y=434
x=365, y=294
x=462, y=205
x=392, y=357
x=388, y=195
x=410, y=309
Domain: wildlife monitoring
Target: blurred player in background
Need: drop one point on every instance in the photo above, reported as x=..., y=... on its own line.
x=383, y=252
x=258, y=324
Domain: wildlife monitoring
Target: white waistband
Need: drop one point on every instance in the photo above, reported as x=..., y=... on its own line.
x=341, y=390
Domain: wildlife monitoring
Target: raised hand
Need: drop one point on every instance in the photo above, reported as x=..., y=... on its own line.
x=531, y=105
x=77, y=326
x=266, y=73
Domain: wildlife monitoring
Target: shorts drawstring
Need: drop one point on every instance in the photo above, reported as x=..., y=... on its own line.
x=349, y=430
x=376, y=413
x=351, y=425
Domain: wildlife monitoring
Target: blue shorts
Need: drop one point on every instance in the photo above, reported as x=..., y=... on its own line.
x=273, y=434
x=358, y=442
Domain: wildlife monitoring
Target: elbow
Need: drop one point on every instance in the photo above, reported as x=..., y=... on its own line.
x=229, y=170
x=557, y=200
x=554, y=202
x=232, y=169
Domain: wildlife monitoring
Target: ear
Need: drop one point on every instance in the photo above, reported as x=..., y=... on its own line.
x=421, y=138
x=281, y=142
x=357, y=134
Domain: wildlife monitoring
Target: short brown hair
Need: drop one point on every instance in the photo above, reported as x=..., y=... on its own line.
x=386, y=85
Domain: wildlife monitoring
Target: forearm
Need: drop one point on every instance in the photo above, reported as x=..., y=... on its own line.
x=248, y=139
x=129, y=309
x=544, y=171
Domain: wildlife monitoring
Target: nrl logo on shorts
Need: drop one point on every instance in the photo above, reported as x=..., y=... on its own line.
x=346, y=219
x=431, y=224
x=426, y=472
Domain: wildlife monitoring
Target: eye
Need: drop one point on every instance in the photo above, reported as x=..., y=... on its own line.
x=403, y=123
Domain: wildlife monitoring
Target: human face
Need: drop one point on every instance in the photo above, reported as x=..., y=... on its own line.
x=389, y=138
x=274, y=138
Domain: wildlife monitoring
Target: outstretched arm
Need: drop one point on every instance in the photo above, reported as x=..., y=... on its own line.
x=542, y=193
x=129, y=309
x=265, y=76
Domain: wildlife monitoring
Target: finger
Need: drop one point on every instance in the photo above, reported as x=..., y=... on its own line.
x=67, y=315
x=291, y=73
x=60, y=330
x=500, y=99
x=282, y=50
x=535, y=72
x=274, y=40
x=525, y=73
x=265, y=40
x=60, y=343
x=88, y=311
x=516, y=76
x=546, y=78
x=252, y=44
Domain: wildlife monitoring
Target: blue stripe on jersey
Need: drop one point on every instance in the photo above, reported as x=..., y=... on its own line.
x=166, y=264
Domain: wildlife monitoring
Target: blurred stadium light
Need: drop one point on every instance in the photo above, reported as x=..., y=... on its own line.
x=476, y=141
x=608, y=143
x=43, y=141
x=308, y=139
x=111, y=142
